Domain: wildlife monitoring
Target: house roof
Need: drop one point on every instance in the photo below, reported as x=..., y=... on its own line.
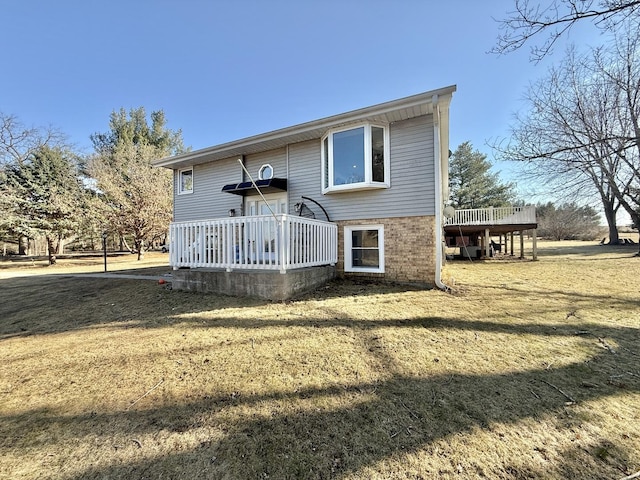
x=388, y=112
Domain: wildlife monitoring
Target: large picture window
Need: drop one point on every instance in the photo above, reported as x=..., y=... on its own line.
x=355, y=158
x=364, y=248
x=185, y=181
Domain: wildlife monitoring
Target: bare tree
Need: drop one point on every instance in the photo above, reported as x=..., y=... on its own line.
x=18, y=142
x=554, y=140
x=137, y=198
x=577, y=132
x=568, y=222
x=624, y=74
x=552, y=19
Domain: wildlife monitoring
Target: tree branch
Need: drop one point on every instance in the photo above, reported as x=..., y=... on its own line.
x=555, y=19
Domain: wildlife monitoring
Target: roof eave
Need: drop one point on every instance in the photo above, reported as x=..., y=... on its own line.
x=300, y=132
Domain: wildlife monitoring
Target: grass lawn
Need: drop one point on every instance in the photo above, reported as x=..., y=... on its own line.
x=527, y=370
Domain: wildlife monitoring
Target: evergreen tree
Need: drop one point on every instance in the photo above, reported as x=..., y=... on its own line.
x=42, y=195
x=18, y=143
x=133, y=129
x=472, y=185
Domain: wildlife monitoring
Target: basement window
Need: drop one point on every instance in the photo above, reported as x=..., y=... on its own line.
x=364, y=248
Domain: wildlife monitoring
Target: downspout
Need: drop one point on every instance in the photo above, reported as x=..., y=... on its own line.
x=437, y=171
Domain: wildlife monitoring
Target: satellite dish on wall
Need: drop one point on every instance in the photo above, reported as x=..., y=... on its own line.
x=449, y=211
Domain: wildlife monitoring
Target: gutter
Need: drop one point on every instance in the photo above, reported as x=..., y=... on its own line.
x=297, y=133
x=437, y=170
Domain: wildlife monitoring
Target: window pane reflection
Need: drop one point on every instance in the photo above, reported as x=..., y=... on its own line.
x=364, y=245
x=348, y=156
x=377, y=154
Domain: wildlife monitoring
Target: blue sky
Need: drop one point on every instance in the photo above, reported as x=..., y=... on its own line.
x=227, y=69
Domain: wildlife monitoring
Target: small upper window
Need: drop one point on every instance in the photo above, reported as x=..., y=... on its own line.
x=355, y=158
x=185, y=179
x=265, y=172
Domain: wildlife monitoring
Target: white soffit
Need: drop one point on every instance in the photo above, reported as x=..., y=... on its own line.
x=389, y=112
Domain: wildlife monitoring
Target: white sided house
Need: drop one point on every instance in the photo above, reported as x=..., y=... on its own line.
x=359, y=194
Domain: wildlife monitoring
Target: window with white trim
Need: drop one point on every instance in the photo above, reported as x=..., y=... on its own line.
x=355, y=158
x=265, y=172
x=185, y=181
x=364, y=248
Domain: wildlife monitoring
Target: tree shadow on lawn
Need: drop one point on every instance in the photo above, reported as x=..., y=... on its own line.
x=588, y=250
x=47, y=304
x=384, y=420
x=569, y=297
x=50, y=304
x=42, y=305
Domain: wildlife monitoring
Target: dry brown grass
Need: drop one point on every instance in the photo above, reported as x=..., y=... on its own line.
x=355, y=381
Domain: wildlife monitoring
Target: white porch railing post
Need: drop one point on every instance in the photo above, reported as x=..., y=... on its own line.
x=493, y=216
x=228, y=251
x=247, y=243
x=173, y=237
x=282, y=242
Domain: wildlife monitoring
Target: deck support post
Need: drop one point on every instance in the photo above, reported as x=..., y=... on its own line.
x=481, y=223
x=487, y=243
x=535, y=244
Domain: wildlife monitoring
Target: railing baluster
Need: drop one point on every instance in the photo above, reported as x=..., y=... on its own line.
x=493, y=216
x=253, y=242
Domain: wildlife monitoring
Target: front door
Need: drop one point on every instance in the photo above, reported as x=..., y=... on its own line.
x=255, y=205
x=262, y=235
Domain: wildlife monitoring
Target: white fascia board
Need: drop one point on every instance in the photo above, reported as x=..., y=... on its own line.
x=301, y=132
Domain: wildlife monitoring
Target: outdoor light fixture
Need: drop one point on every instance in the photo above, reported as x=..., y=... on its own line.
x=232, y=212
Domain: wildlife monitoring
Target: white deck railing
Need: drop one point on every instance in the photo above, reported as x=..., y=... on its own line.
x=493, y=216
x=283, y=242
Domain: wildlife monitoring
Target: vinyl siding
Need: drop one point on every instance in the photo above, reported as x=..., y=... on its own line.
x=412, y=191
x=276, y=158
x=304, y=176
x=207, y=199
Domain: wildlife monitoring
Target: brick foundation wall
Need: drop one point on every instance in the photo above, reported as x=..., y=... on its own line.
x=409, y=249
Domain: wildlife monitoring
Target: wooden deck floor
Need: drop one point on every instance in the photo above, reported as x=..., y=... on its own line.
x=494, y=229
x=472, y=230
